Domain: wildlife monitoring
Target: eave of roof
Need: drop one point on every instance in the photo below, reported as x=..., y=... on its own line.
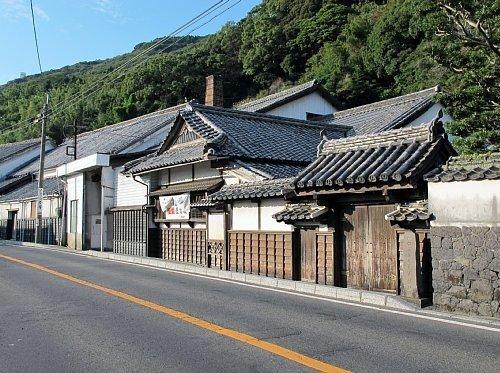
x=408, y=212
x=467, y=168
x=251, y=190
x=10, y=150
x=300, y=212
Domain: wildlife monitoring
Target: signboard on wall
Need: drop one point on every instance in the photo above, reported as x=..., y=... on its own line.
x=176, y=207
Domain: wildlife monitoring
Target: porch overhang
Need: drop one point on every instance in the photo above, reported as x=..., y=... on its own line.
x=189, y=186
x=88, y=163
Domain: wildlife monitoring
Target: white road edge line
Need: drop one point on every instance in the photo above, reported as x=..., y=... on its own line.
x=386, y=310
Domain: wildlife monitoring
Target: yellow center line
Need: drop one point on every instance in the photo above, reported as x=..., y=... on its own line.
x=230, y=333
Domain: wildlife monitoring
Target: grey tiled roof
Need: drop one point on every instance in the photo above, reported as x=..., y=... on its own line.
x=30, y=190
x=183, y=153
x=250, y=136
x=410, y=212
x=111, y=139
x=384, y=115
x=465, y=168
x=10, y=182
x=258, y=136
x=388, y=158
x=264, y=104
x=300, y=211
x=257, y=189
x=272, y=170
x=9, y=150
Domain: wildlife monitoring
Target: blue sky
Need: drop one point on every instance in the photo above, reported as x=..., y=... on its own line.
x=70, y=31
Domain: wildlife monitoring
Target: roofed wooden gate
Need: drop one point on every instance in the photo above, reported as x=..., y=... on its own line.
x=370, y=249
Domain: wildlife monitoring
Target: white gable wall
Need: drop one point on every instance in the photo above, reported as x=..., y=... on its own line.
x=430, y=115
x=297, y=109
x=129, y=192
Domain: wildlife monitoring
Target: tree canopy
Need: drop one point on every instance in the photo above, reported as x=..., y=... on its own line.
x=362, y=51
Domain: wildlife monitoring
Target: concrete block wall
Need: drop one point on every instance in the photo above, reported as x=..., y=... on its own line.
x=466, y=269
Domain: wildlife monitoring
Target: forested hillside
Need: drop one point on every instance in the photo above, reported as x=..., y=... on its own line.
x=362, y=51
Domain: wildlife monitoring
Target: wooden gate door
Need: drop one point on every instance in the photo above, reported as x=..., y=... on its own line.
x=316, y=256
x=370, y=248
x=308, y=259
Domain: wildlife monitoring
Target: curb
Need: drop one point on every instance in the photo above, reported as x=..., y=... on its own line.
x=325, y=291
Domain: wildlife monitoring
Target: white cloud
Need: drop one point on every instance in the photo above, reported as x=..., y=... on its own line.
x=109, y=8
x=20, y=9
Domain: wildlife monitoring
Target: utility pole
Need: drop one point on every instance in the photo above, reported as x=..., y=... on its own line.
x=39, y=201
x=74, y=138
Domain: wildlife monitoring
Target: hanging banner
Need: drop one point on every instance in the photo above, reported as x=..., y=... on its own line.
x=175, y=207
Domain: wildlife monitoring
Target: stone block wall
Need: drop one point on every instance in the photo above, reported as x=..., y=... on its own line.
x=466, y=269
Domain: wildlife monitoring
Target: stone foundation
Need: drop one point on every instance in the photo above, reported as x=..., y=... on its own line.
x=466, y=268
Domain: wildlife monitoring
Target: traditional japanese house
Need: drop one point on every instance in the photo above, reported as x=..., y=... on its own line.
x=355, y=217
x=18, y=210
x=373, y=186
x=92, y=184
x=207, y=148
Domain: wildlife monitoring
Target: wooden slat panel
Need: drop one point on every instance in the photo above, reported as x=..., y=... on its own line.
x=184, y=245
x=264, y=253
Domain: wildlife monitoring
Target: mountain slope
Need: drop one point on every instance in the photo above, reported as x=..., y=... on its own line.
x=362, y=51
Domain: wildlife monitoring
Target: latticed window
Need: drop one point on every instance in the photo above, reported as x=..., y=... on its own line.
x=196, y=213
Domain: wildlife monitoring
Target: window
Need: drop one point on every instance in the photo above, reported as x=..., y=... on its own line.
x=195, y=213
x=73, y=209
x=32, y=210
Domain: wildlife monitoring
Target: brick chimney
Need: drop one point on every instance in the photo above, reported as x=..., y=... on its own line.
x=213, y=93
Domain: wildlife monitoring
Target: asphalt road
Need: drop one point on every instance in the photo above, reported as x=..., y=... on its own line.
x=49, y=324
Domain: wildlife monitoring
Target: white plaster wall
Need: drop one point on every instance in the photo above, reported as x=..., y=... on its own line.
x=75, y=192
x=49, y=208
x=127, y=191
x=465, y=203
x=297, y=109
x=162, y=176
x=4, y=214
x=181, y=174
x=245, y=216
x=203, y=170
x=216, y=226
x=268, y=207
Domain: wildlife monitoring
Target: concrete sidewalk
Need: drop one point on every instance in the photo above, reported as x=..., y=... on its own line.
x=354, y=296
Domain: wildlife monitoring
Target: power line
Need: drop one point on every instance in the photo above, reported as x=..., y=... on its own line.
x=36, y=38
x=165, y=48
x=200, y=16
x=70, y=103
